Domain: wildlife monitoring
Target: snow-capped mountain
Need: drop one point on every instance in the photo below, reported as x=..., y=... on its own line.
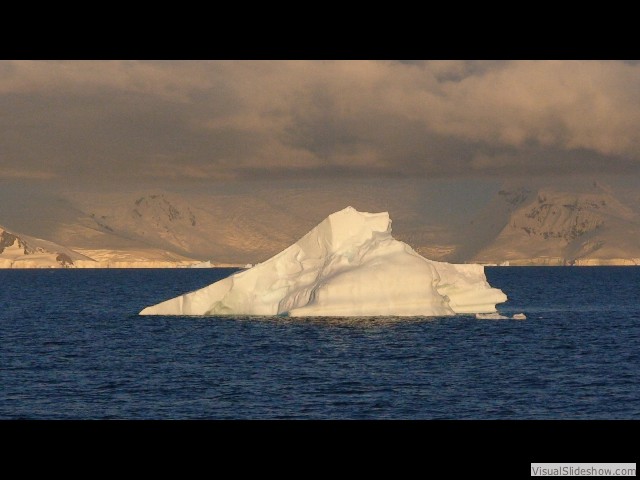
x=520, y=225
x=244, y=228
x=220, y=229
x=224, y=224
x=552, y=227
x=22, y=251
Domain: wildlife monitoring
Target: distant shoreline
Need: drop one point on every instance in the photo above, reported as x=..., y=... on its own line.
x=244, y=266
x=139, y=266
x=560, y=266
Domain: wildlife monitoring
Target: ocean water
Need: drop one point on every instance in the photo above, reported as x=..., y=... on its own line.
x=73, y=347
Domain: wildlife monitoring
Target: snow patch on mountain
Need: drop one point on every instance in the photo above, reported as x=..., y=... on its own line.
x=23, y=251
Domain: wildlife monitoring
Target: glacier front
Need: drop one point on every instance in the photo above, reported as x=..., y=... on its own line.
x=348, y=265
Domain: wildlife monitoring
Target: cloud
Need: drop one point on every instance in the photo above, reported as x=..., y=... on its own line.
x=590, y=105
x=198, y=121
x=173, y=80
x=17, y=174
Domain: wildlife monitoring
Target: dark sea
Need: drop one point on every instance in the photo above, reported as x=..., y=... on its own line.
x=73, y=347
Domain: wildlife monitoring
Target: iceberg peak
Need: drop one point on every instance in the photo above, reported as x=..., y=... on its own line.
x=349, y=227
x=348, y=265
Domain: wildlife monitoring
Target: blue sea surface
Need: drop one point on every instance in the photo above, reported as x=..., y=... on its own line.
x=72, y=346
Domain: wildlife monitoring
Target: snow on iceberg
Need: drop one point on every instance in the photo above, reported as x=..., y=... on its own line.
x=348, y=265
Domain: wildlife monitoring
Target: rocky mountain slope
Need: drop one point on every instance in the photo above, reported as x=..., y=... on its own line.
x=551, y=227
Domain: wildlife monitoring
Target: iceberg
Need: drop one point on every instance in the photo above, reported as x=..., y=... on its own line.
x=348, y=265
x=490, y=316
x=497, y=316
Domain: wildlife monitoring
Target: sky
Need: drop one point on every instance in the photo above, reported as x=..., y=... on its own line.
x=133, y=124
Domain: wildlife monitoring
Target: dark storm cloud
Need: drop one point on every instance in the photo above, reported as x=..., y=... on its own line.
x=140, y=122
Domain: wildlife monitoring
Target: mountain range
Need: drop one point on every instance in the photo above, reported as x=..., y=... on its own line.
x=518, y=226
x=551, y=227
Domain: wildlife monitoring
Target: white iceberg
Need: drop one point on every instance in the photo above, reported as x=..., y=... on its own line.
x=348, y=265
x=490, y=316
x=497, y=316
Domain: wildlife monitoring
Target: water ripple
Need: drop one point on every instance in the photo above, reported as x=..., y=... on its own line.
x=73, y=346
